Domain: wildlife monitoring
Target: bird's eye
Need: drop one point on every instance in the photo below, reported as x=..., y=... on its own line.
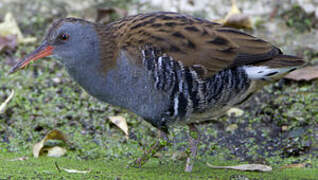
x=64, y=36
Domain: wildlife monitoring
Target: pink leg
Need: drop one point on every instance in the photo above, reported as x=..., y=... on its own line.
x=194, y=141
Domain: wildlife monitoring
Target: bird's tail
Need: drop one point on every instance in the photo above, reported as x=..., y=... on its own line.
x=274, y=68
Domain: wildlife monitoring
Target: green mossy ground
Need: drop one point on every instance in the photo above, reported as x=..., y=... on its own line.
x=45, y=168
x=46, y=98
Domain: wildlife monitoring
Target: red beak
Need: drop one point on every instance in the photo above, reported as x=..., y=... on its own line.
x=43, y=50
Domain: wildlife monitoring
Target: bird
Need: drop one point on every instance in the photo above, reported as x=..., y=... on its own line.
x=168, y=68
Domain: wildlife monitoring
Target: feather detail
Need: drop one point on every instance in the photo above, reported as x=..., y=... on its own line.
x=192, y=41
x=273, y=69
x=265, y=72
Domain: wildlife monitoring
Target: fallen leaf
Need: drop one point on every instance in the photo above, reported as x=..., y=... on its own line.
x=106, y=15
x=70, y=170
x=236, y=112
x=54, y=149
x=300, y=165
x=231, y=128
x=10, y=27
x=307, y=73
x=23, y=158
x=120, y=122
x=57, y=80
x=8, y=42
x=191, y=2
x=37, y=149
x=75, y=171
x=179, y=155
x=235, y=18
x=5, y=103
x=284, y=128
x=244, y=167
x=56, y=135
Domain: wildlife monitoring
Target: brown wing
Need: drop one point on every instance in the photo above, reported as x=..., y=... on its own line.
x=192, y=41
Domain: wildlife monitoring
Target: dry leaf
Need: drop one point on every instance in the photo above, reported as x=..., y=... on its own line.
x=75, y=171
x=235, y=18
x=231, y=128
x=301, y=165
x=56, y=135
x=307, y=73
x=70, y=170
x=245, y=167
x=106, y=15
x=37, y=149
x=120, y=122
x=9, y=41
x=23, y=158
x=56, y=151
x=5, y=103
x=179, y=155
x=10, y=27
x=236, y=112
x=191, y=2
x=284, y=128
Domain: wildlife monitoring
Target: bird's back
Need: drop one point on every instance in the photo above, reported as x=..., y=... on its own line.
x=194, y=41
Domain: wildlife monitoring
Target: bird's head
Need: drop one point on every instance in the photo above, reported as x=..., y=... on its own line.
x=72, y=41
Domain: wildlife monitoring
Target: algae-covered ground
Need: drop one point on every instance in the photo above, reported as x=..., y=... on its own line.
x=103, y=168
x=278, y=127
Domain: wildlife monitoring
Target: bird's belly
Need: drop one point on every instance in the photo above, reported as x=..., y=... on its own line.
x=211, y=114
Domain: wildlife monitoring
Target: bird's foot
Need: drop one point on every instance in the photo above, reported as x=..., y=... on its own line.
x=154, y=148
x=192, y=151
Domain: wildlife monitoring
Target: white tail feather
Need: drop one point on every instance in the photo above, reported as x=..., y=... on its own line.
x=265, y=73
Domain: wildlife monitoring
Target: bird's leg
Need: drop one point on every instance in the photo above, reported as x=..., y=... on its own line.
x=192, y=152
x=160, y=143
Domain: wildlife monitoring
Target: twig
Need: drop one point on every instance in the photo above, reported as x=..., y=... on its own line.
x=3, y=105
x=57, y=166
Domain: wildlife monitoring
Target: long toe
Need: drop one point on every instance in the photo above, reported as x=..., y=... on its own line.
x=159, y=144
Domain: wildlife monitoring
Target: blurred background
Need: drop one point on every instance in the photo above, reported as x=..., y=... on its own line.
x=278, y=125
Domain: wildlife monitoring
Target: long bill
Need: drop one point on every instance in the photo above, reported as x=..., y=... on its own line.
x=43, y=50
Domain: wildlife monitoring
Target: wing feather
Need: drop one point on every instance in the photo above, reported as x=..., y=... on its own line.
x=192, y=41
